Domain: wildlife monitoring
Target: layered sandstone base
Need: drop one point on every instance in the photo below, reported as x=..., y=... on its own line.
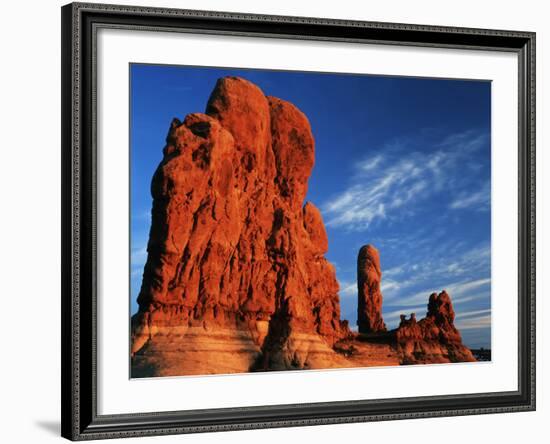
x=168, y=344
x=196, y=351
x=177, y=351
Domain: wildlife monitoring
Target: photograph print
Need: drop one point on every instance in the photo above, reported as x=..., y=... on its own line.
x=286, y=220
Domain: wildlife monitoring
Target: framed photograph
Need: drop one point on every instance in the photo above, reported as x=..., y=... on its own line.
x=278, y=221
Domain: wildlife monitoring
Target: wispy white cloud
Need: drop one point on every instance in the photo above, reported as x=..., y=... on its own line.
x=474, y=323
x=465, y=288
x=394, y=271
x=478, y=258
x=390, y=285
x=139, y=256
x=458, y=291
x=399, y=179
x=361, y=203
x=472, y=313
x=467, y=141
x=479, y=200
x=444, y=268
x=348, y=289
x=371, y=163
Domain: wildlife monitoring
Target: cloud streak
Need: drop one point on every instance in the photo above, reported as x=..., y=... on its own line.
x=474, y=323
x=348, y=289
x=479, y=200
x=373, y=198
x=395, y=183
x=441, y=271
x=458, y=291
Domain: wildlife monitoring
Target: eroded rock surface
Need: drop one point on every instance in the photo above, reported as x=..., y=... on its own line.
x=369, y=305
x=236, y=278
x=232, y=246
x=433, y=339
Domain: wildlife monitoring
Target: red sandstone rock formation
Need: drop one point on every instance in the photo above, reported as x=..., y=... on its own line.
x=236, y=279
x=235, y=258
x=434, y=338
x=369, y=276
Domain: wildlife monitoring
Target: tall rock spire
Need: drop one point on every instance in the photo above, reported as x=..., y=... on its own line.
x=369, y=305
x=234, y=251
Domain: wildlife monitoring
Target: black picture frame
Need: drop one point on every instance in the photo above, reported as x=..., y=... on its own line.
x=80, y=420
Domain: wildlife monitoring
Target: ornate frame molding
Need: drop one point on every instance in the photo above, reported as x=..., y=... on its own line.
x=80, y=22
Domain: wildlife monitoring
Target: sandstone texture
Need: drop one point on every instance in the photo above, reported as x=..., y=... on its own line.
x=236, y=278
x=233, y=250
x=432, y=339
x=369, y=304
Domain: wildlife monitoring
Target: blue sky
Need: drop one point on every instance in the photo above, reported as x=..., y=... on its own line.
x=401, y=163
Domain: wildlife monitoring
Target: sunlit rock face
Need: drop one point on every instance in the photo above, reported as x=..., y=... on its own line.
x=236, y=278
x=434, y=338
x=233, y=250
x=369, y=304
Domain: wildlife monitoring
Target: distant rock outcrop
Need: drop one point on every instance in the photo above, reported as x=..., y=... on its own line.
x=434, y=338
x=369, y=304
